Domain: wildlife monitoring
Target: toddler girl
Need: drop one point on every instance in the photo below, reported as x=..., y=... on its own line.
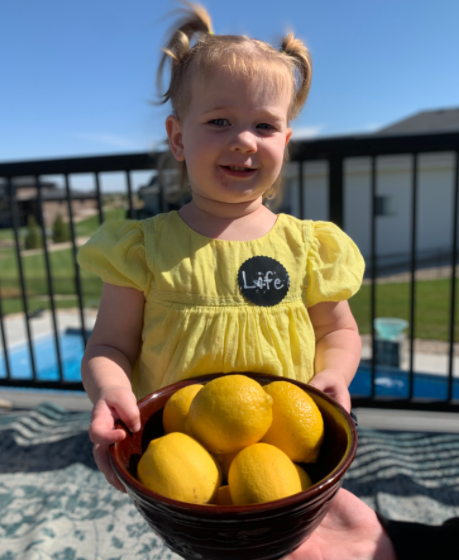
x=224, y=284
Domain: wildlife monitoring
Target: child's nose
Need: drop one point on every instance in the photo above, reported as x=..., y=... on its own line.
x=244, y=141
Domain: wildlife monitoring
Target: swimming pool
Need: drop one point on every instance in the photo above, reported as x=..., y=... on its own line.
x=390, y=382
x=71, y=347
x=393, y=382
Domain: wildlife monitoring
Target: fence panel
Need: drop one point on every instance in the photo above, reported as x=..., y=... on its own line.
x=334, y=151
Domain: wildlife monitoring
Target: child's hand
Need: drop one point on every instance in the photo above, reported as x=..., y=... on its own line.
x=114, y=402
x=333, y=383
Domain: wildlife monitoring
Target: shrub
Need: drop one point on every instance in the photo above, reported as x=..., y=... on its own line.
x=33, y=237
x=61, y=231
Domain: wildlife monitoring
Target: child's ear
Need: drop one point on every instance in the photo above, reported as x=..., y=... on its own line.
x=174, y=133
x=289, y=135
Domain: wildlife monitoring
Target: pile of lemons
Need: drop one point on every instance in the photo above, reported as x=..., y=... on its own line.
x=236, y=431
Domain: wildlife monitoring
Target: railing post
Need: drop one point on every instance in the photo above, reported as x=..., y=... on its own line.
x=4, y=340
x=75, y=251
x=129, y=189
x=335, y=189
x=301, y=189
x=373, y=275
x=50, y=280
x=414, y=206
x=99, y=199
x=452, y=319
x=14, y=219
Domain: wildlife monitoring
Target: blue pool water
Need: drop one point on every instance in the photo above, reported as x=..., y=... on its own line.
x=71, y=347
x=389, y=381
x=392, y=382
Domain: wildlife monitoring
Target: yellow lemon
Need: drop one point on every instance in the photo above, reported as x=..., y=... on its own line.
x=297, y=427
x=223, y=497
x=178, y=467
x=230, y=413
x=305, y=479
x=176, y=410
x=262, y=473
x=225, y=461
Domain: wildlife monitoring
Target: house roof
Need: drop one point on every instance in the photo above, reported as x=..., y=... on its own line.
x=50, y=191
x=440, y=120
x=169, y=180
x=28, y=183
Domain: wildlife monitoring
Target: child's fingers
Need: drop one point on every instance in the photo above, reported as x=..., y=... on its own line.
x=340, y=394
x=101, y=430
x=345, y=401
x=343, y=397
x=100, y=453
x=128, y=411
x=105, y=437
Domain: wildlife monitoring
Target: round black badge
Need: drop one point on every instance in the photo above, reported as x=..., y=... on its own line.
x=263, y=281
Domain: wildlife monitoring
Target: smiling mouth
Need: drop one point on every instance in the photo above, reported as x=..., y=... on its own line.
x=238, y=170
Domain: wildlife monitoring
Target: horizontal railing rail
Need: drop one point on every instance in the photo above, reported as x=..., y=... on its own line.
x=332, y=150
x=393, y=263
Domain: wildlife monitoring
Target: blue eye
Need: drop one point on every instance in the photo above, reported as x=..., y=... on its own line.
x=266, y=126
x=219, y=122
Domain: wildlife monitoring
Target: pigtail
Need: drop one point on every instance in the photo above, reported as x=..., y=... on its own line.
x=196, y=22
x=296, y=49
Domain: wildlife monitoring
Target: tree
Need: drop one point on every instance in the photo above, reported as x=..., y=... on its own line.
x=33, y=238
x=61, y=231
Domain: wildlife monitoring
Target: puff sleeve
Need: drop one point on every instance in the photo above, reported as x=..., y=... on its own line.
x=335, y=266
x=116, y=253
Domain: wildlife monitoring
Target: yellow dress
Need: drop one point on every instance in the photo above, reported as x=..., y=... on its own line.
x=197, y=319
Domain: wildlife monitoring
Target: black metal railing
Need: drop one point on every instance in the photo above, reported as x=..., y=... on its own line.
x=333, y=150
x=65, y=168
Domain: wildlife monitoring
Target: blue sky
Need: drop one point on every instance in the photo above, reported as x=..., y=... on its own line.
x=76, y=77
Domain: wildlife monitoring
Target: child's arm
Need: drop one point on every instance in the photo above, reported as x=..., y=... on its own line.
x=106, y=370
x=338, y=349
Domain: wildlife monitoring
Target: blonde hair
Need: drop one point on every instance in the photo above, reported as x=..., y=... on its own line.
x=192, y=48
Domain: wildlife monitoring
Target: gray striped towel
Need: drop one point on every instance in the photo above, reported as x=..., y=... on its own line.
x=56, y=505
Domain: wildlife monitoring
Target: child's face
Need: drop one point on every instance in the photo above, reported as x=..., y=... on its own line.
x=232, y=137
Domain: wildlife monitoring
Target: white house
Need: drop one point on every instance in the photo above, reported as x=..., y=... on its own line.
x=393, y=188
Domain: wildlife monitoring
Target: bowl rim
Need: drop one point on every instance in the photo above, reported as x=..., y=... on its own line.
x=309, y=494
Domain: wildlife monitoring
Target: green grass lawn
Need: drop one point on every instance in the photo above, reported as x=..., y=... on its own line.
x=15, y=305
x=62, y=272
x=6, y=235
x=63, y=277
x=87, y=227
x=393, y=300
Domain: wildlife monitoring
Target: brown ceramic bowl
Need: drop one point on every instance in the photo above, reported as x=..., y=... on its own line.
x=257, y=532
